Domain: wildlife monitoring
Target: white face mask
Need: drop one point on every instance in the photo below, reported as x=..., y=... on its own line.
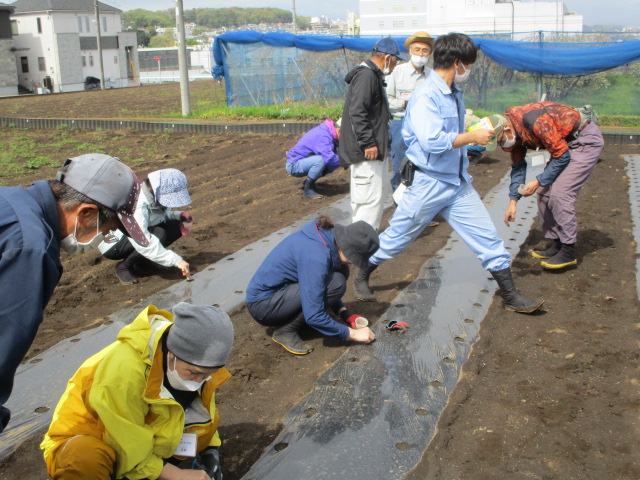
x=419, y=61
x=72, y=246
x=464, y=76
x=508, y=143
x=177, y=381
x=387, y=68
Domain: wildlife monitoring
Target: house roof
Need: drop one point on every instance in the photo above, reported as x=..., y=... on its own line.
x=4, y=6
x=27, y=6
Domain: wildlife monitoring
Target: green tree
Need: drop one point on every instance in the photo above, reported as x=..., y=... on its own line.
x=164, y=40
x=303, y=23
x=145, y=18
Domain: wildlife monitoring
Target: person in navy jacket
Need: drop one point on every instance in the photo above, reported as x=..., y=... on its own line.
x=304, y=276
x=92, y=195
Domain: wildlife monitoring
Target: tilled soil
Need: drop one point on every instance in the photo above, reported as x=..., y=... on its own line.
x=550, y=396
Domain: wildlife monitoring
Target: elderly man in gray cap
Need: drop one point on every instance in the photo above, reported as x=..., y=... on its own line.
x=144, y=407
x=92, y=195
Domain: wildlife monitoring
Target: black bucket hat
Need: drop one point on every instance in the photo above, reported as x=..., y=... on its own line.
x=357, y=241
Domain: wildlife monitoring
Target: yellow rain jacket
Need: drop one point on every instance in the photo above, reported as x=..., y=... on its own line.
x=118, y=396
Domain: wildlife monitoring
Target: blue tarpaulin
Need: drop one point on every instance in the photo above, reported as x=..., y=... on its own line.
x=558, y=58
x=244, y=57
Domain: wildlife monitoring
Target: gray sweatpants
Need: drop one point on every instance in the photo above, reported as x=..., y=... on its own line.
x=557, y=202
x=284, y=305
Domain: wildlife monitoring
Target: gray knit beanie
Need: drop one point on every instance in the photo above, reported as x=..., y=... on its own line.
x=201, y=335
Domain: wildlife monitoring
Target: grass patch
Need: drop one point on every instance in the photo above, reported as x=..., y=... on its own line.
x=301, y=111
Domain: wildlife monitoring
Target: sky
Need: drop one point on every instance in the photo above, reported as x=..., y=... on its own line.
x=595, y=12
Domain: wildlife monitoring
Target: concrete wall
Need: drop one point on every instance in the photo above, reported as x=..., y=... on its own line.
x=405, y=17
x=8, y=70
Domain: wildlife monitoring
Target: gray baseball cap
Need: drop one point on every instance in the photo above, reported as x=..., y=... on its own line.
x=109, y=182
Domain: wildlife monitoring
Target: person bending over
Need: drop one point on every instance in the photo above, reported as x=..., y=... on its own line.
x=574, y=141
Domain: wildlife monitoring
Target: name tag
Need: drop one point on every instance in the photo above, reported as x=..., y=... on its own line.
x=537, y=160
x=187, y=446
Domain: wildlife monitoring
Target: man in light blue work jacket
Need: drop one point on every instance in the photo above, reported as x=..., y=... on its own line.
x=434, y=132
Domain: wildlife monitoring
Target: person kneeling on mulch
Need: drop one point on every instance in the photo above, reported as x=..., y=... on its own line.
x=306, y=274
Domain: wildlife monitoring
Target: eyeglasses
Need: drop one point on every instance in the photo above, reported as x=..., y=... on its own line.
x=425, y=51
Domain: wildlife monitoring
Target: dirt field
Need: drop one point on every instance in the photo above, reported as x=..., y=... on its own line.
x=553, y=396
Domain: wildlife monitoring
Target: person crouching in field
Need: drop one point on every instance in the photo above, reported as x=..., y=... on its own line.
x=137, y=408
x=159, y=193
x=575, y=143
x=306, y=274
x=314, y=156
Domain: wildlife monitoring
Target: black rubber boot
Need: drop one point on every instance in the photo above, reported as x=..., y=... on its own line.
x=309, y=189
x=564, y=258
x=513, y=301
x=124, y=269
x=549, y=252
x=361, y=284
x=287, y=336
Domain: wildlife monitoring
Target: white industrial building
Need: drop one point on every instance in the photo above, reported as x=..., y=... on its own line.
x=56, y=45
x=405, y=17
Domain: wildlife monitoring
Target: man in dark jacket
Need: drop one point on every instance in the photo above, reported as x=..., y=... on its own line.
x=92, y=195
x=364, y=136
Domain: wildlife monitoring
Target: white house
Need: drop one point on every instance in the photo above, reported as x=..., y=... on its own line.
x=8, y=72
x=405, y=17
x=57, y=46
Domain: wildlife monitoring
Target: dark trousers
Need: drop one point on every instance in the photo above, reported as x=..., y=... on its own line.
x=286, y=304
x=167, y=232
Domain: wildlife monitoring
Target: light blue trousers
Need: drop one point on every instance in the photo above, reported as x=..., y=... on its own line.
x=312, y=167
x=460, y=205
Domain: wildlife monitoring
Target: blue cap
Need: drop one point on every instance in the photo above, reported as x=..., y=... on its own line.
x=390, y=46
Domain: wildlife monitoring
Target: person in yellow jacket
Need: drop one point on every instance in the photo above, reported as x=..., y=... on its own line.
x=146, y=403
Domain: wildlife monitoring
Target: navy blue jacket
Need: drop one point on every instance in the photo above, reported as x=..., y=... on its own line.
x=30, y=269
x=307, y=257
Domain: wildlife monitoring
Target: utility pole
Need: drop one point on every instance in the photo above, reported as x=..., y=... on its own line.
x=182, y=60
x=99, y=45
x=295, y=20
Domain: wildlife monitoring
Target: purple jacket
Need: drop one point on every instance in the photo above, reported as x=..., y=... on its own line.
x=321, y=140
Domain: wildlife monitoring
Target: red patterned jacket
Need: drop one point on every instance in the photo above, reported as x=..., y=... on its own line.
x=546, y=125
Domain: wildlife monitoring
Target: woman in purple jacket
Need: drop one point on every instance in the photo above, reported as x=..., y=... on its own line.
x=306, y=274
x=314, y=156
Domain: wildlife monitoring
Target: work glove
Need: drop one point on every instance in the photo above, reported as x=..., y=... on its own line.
x=186, y=222
x=209, y=461
x=354, y=321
